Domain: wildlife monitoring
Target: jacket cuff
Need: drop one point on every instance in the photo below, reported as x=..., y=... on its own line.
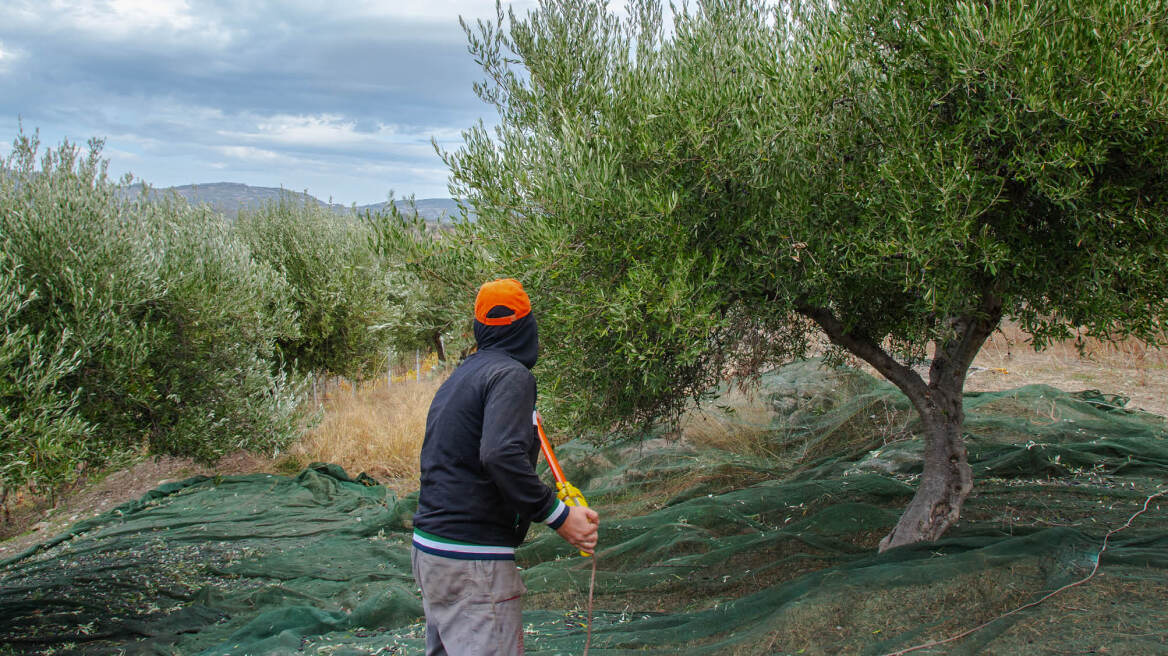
x=556, y=517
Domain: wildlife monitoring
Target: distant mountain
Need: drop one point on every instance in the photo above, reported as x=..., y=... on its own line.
x=428, y=208
x=229, y=198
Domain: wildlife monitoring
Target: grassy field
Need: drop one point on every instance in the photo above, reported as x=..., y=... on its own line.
x=376, y=429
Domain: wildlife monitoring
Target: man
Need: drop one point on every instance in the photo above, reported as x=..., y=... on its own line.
x=479, y=491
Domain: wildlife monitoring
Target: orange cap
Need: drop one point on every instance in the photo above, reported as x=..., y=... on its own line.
x=507, y=292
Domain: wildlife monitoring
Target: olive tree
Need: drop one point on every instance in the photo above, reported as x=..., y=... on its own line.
x=128, y=325
x=432, y=271
x=338, y=285
x=705, y=191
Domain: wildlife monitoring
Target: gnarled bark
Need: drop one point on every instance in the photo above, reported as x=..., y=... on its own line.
x=946, y=479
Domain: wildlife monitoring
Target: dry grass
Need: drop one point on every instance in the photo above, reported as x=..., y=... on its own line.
x=1131, y=368
x=738, y=422
x=378, y=430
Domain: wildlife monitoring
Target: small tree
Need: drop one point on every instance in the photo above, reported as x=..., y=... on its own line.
x=433, y=271
x=42, y=435
x=898, y=174
x=338, y=285
x=128, y=323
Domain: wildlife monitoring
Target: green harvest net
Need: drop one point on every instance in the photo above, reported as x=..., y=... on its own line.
x=753, y=530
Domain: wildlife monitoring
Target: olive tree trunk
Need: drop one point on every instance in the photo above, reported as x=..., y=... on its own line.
x=946, y=479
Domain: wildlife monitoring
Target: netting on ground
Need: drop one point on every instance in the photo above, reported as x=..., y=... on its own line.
x=751, y=530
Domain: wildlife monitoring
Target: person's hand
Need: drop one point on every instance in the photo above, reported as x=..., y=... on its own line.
x=580, y=529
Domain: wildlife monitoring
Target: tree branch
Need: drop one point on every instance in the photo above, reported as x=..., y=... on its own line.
x=909, y=381
x=954, y=357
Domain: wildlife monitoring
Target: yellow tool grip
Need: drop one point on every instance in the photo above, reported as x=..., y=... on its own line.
x=571, y=496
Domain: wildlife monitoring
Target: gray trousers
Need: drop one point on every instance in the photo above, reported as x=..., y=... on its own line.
x=473, y=607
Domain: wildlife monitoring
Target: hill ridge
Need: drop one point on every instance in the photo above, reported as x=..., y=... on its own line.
x=229, y=198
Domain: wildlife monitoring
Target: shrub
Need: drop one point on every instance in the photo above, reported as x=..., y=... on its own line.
x=142, y=323
x=434, y=273
x=215, y=365
x=91, y=274
x=41, y=433
x=337, y=283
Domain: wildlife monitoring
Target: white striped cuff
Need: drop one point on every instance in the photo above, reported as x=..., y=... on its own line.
x=557, y=515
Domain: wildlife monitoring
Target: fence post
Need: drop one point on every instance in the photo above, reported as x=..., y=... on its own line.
x=417, y=365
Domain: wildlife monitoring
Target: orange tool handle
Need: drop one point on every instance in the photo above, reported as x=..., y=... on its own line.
x=565, y=491
x=546, y=446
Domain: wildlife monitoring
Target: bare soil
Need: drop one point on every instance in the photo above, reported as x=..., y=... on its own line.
x=1007, y=361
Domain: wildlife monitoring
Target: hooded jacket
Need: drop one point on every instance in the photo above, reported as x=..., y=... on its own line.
x=479, y=490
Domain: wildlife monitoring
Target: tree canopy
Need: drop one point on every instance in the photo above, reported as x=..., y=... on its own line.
x=702, y=193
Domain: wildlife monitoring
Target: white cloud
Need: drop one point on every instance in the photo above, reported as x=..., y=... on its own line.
x=441, y=10
x=248, y=153
x=121, y=155
x=325, y=130
x=153, y=14
x=123, y=16
x=8, y=57
x=447, y=134
x=335, y=132
x=121, y=20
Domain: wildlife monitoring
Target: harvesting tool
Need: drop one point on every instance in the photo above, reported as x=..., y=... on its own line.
x=566, y=492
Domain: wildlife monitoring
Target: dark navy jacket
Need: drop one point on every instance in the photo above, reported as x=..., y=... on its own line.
x=478, y=481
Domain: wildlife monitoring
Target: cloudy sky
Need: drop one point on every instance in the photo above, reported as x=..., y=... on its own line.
x=337, y=98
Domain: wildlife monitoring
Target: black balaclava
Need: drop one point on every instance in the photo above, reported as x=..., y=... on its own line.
x=520, y=339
